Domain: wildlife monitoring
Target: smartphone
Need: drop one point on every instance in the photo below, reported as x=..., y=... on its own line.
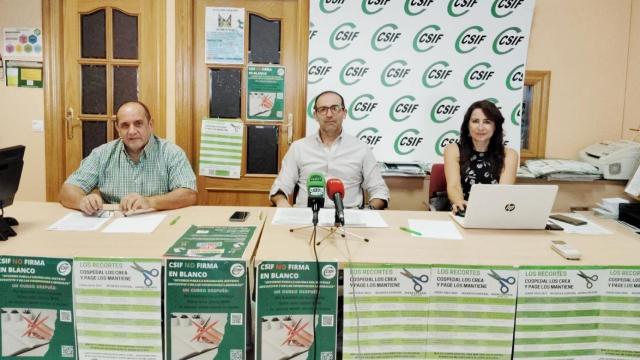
x=239, y=216
x=568, y=219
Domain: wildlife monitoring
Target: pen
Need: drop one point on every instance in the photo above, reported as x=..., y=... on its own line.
x=175, y=220
x=410, y=231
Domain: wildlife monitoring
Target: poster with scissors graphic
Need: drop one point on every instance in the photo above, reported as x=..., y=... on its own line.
x=620, y=313
x=471, y=311
x=286, y=327
x=385, y=311
x=558, y=312
x=205, y=309
x=265, y=86
x=36, y=308
x=221, y=144
x=118, y=308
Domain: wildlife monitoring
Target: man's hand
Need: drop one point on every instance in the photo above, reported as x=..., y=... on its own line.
x=280, y=200
x=91, y=204
x=134, y=201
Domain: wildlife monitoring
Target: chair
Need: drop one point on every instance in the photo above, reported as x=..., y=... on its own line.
x=437, y=188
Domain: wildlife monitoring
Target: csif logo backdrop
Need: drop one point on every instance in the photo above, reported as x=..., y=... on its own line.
x=409, y=69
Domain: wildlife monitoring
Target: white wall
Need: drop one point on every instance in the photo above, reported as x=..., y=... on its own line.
x=19, y=106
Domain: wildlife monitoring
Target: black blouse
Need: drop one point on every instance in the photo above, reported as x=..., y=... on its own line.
x=478, y=171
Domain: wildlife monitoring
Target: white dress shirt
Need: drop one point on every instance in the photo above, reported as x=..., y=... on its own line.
x=347, y=159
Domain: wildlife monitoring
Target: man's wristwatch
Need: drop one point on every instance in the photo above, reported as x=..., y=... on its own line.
x=371, y=207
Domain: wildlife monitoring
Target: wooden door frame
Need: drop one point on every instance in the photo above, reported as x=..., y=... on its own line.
x=184, y=84
x=54, y=88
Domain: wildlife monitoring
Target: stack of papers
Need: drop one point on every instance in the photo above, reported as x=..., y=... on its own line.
x=590, y=228
x=402, y=169
x=609, y=207
x=77, y=221
x=326, y=217
x=560, y=169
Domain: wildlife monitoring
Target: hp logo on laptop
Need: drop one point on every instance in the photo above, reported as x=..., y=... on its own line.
x=509, y=207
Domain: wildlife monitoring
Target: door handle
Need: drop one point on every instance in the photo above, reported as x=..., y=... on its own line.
x=69, y=122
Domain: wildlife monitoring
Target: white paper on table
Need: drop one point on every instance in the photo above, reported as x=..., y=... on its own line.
x=78, y=221
x=590, y=228
x=145, y=223
x=326, y=217
x=436, y=229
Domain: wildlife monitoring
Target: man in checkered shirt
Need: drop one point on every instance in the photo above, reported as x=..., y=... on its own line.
x=137, y=171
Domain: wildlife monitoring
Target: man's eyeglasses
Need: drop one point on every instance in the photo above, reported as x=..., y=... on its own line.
x=322, y=110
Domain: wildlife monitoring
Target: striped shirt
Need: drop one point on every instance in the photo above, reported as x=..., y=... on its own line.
x=163, y=167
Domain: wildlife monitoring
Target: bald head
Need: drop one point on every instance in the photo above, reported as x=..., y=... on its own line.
x=134, y=126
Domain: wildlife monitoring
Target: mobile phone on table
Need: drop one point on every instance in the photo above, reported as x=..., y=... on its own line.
x=567, y=219
x=239, y=216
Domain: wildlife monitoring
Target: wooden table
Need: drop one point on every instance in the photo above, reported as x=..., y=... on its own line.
x=34, y=240
x=478, y=247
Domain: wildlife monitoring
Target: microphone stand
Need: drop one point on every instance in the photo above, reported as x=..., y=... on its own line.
x=343, y=232
x=339, y=221
x=337, y=228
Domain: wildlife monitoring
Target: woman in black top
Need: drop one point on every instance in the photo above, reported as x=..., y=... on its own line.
x=480, y=156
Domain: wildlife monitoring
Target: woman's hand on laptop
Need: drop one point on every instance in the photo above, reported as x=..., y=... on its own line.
x=461, y=206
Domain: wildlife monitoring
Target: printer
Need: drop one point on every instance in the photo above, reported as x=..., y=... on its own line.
x=617, y=159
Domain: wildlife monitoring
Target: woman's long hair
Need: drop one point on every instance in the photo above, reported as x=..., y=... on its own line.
x=495, y=151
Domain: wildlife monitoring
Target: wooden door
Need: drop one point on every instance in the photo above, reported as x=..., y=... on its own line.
x=111, y=56
x=283, y=20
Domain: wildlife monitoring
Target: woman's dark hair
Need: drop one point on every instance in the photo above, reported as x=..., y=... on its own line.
x=495, y=151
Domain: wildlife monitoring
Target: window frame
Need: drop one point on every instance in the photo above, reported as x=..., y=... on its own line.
x=539, y=81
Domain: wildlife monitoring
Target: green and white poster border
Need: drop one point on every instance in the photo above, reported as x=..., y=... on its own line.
x=118, y=308
x=221, y=144
x=205, y=308
x=286, y=291
x=265, y=92
x=36, y=308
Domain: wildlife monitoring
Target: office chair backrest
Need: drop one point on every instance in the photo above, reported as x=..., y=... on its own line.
x=438, y=200
x=437, y=180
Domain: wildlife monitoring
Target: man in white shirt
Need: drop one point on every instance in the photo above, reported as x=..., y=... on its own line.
x=336, y=155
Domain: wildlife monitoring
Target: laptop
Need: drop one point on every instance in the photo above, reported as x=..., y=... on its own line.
x=492, y=206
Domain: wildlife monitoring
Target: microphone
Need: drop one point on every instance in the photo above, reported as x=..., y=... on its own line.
x=335, y=188
x=315, y=188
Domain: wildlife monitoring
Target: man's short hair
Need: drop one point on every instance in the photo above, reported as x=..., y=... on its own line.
x=147, y=113
x=328, y=92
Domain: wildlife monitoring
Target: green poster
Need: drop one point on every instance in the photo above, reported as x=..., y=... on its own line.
x=118, y=306
x=558, y=312
x=205, y=309
x=36, y=305
x=385, y=311
x=286, y=294
x=213, y=241
x=265, y=86
x=471, y=312
x=620, y=313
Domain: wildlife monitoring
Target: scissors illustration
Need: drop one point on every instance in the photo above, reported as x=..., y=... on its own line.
x=146, y=273
x=503, y=281
x=417, y=280
x=588, y=279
